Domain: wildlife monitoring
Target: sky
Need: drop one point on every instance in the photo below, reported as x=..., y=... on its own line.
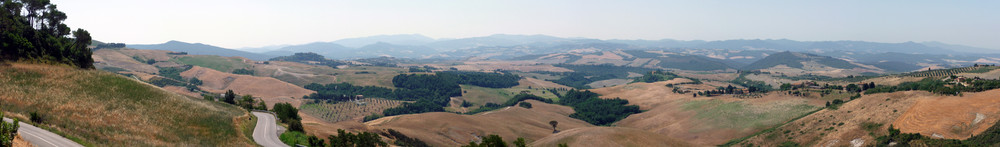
x=255, y=23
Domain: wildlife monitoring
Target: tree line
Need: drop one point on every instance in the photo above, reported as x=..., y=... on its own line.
x=939, y=86
x=33, y=31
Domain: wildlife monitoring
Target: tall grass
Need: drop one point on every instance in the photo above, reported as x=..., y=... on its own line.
x=105, y=109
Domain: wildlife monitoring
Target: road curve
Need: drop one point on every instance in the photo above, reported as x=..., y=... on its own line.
x=266, y=131
x=42, y=138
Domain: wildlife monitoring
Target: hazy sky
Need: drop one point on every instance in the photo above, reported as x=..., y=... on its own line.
x=252, y=23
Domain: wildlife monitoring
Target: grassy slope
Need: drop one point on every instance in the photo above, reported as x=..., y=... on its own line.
x=106, y=109
x=223, y=64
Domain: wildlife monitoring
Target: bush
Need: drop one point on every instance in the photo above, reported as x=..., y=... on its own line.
x=7, y=132
x=243, y=71
x=362, y=139
x=36, y=118
x=295, y=125
x=371, y=117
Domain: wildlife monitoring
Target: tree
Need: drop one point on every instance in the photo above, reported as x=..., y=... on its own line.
x=33, y=30
x=553, y=123
x=261, y=105
x=230, y=97
x=247, y=102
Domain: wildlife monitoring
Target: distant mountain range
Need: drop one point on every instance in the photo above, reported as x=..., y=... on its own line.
x=201, y=49
x=734, y=53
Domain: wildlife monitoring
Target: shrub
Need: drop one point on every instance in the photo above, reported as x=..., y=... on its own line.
x=7, y=132
x=525, y=105
x=36, y=118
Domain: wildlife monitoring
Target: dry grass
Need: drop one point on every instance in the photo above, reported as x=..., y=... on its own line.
x=702, y=121
x=609, y=136
x=106, y=109
x=449, y=129
x=951, y=117
x=269, y=89
x=815, y=129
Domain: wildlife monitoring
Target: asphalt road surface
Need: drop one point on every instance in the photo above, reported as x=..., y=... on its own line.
x=266, y=132
x=42, y=138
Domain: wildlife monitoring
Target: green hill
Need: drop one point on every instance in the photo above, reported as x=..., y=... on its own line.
x=794, y=60
x=104, y=109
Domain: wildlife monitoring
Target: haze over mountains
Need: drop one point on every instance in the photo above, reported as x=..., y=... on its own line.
x=736, y=53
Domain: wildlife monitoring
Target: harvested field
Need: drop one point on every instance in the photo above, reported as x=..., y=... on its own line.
x=951, y=117
x=449, y=129
x=115, y=58
x=609, y=136
x=350, y=110
x=223, y=64
x=269, y=89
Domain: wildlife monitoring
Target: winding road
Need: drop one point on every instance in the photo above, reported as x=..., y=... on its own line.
x=42, y=138
x=266, y=131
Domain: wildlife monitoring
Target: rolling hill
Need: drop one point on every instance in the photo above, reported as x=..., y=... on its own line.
x=200, y=49
x=794, y=60
x=99, y=108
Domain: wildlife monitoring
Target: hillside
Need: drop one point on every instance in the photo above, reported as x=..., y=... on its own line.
x=794, y=60
x=270, y=89
x=105, y=109
x=200, y=49
x=633, y=58
x=449, y=129
x=703, y=121
x=609, y=136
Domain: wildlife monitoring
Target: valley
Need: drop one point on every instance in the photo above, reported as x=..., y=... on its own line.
x=590, y=73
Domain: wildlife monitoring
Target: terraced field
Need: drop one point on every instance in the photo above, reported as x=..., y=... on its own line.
x=347, y=111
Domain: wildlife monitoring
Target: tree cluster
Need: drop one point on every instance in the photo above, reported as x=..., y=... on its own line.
x=33, y=30
x=586, y=74
x=288, y=114
x=482, y=79
x=243, y=71
x=655, y=76
x=309, y=58
x=510, y=102
x=362, y=139
x=496, y=141
x=109, y=45
x=403, y=140
x=939, y=86
x=594, y=110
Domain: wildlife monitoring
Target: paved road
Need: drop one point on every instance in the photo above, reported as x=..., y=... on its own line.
x=42, y=138
x=266, y=132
